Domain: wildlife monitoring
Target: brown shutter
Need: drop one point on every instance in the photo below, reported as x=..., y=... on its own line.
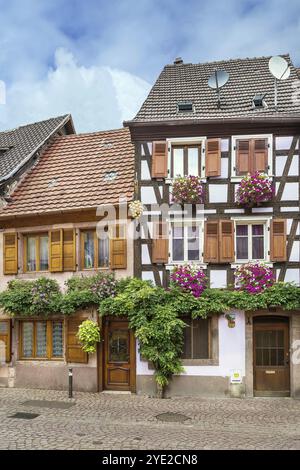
x=278, y=240
x=69, y=250
x=74, y=352
x=226, y=241
x=159, y=159
x=211, y=241
x=56, y=250
x=260, y=155
x=118, y=252
x=5, y=338
x=10, y=253
x=160, y=243
x=243, y=157
x=213, y=157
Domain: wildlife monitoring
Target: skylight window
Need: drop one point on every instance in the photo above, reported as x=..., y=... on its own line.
x=258, y=101
x=110, y=175
x=185, y=107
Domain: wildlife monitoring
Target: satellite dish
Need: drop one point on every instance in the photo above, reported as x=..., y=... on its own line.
x=217, y=80
x=280, y=70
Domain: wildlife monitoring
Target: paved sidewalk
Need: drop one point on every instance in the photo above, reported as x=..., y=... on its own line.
x=103, y=421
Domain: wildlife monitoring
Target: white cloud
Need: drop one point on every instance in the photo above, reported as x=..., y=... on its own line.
x=98, y=97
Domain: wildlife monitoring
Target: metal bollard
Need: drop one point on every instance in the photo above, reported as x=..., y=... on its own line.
x=70, y=382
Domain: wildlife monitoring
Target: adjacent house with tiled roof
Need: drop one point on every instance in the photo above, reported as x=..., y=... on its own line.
x=21, y=147
x=50, y=227
x=185, y=130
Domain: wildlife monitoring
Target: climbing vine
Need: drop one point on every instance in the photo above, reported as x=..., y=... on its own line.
x=154, y=314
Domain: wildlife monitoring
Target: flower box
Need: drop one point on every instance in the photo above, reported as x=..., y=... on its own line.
x=255, y=189
x=189, y=278
x=188, y=190
x=254, y=278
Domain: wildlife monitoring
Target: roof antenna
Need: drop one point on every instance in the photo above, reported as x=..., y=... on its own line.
x=216, y=81
x=280, y=70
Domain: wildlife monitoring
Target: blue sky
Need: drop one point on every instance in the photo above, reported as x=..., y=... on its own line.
x=98, y=58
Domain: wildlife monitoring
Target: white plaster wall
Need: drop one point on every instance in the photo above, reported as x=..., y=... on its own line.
x=218, y=192
x=231, y=352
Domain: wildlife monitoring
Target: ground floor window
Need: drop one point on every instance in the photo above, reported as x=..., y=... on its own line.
x=94, y=250
x=41, y=339
x=196, y=338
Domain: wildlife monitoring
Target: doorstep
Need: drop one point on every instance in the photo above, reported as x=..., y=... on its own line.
x=116, y=392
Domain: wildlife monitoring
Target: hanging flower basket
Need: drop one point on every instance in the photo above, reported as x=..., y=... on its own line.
x=136, y=209
x=190, y=279
x=255, y=189
x=254, y=277
x=188, y=190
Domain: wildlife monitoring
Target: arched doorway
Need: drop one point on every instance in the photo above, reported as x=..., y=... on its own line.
x=271, y=356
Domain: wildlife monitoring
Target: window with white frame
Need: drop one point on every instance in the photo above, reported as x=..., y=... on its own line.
x=186, y=241
x=251, y=153
x=251, y=241
x=186, y=157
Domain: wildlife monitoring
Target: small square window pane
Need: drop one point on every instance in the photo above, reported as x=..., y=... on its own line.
x=257, y=229
x=193, y=231
x=57, y=339
x=242, y=230
x=178, y=231
x=41, y=339
x=27, y=339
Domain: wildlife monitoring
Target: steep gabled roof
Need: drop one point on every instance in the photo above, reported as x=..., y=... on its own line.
x=18, y=145
x=188, y=82
x=77, y=172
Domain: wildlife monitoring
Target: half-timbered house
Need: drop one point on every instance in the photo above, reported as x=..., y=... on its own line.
x=49, y=229
x=180, y=130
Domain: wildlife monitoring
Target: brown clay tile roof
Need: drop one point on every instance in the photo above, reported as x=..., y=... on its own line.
x=188, y=83
x=76, y=172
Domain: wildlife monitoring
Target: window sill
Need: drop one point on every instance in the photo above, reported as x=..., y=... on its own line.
x=200, y=362
x=240, y=263
x=39, y=360
x=238, y=179
x=170, y=266
x=170, y=180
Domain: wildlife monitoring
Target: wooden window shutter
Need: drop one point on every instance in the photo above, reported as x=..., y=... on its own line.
x=278, y=240
x=10, y=253
x=260, y=155
x=226, y=241
x=5, y=339
x=243, y=157
x=160, y=243
x=211, y=241
x=213, y=157
x=74, y=352
x=69, y=250
x=56, y=250
x=159, y=159
x=118, y=252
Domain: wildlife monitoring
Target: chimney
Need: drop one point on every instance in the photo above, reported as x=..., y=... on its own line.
x=178, y=61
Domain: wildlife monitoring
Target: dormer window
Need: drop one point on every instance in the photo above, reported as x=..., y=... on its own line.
x=185, y=107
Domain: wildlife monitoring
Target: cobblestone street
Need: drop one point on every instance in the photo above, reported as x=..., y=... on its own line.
x=104, y=421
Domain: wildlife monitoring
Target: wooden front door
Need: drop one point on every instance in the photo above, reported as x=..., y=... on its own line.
x=119, y=356
x=271, y=357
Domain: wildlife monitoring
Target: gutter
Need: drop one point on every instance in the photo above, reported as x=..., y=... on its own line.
x=26, y=159
x=182, y=122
